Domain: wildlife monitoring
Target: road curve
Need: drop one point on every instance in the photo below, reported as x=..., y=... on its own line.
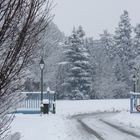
x=90, y=130
x=95, y=124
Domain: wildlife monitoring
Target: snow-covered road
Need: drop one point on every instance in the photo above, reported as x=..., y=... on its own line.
x=97, y=125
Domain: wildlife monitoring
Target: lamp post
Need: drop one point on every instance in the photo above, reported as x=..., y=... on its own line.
x=134, y=78
x=134, y=85
x=42, y=65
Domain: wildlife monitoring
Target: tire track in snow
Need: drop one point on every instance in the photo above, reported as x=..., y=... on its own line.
x=121, y=129
x=89, y=130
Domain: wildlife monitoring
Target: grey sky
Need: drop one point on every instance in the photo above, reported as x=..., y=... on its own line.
x=94, y=15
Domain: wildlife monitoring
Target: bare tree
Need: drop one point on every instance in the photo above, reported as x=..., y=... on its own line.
x=22, y=24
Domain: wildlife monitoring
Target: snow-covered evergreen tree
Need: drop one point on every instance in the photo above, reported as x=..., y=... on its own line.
x=107, y=42
x=79, y=79
x=123, y=49
x=91, y=48
x=123, y=41
x=104, y=81
x=136, y=41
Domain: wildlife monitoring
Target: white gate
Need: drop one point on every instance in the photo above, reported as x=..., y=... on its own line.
x=32, y=99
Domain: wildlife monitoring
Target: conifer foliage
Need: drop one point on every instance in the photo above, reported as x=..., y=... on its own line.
x=123, y=37
x=136, y=41
x=78, y=75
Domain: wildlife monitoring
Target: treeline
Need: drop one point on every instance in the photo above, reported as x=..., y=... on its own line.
x=95, y=69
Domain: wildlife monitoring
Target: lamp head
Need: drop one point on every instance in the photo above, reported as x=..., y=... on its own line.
x=42, y=64
x=134, y=78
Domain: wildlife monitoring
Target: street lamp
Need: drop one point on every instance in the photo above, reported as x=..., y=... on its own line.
x=134, y=78
x=42, y=65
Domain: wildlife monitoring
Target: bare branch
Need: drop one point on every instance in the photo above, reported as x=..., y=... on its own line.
x=22, y=23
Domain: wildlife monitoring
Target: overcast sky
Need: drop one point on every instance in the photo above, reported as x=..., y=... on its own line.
x=94, y=15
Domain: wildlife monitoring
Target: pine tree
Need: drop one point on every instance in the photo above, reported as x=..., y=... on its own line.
x=136, y=41
x=107, y=42
x=123, y=49
x=123, y=45
x=79, y=79
x=105, y=82
x=123, y=42
x=91, y=49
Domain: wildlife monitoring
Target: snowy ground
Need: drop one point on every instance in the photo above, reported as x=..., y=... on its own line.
x=61, y=127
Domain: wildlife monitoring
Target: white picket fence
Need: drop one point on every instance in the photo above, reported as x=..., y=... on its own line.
x=32, y=99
